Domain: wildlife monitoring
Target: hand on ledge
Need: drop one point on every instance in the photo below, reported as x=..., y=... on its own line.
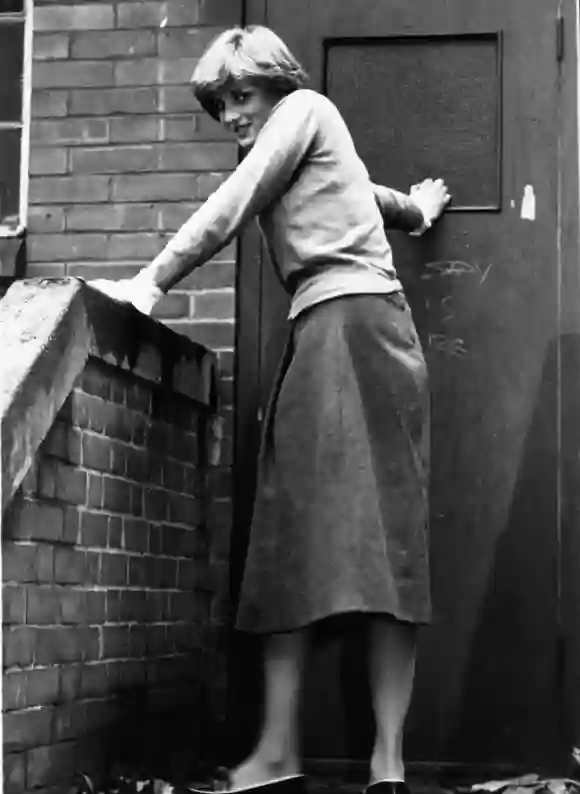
x=141, y=293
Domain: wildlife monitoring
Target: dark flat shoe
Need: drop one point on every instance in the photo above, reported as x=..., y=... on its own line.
x=294, y=784
x=387, y=787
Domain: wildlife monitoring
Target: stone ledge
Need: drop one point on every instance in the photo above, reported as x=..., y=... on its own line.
x=48, y=329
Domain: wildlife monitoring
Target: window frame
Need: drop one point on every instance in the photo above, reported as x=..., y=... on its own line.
x=25, y=16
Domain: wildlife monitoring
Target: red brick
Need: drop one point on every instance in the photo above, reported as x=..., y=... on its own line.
x=96, y=452
x=52, y=247
x=88, y=16
x=135, y=130
x=66, y=644
x=71, y=485
x=216, y=275
x=210, y=334
x=114, y=159
x=51, y=765
x=71, y=566
x=138, y=642
x=137, y=464
x=29, y=728
x=45, y=219
x=115, y=642
x=95, y=606
x=180, y=128
x=95, y=491
x=116, y=495
x=93, y=380
x=73, y=74
x=48, y=161
x=94, y=529
x=219, y=305
x=88, y=411
x=72, y=606
x=185, y=42
x=127, y=217
x=133, y=674
x=49, y=104
x=13, y=604
x=95, y=680
x=70, y=682
x=36, y=521
x=64, y=189
x=154, y=71
x=148, y=365
x=14, y=770
x=42, y=686
x=181, y=13
x=141, y=571
x=136, y=500
x=136, y=533
x=70, y=131
x=198, y=156
x=114, y=569
x=110, y=101
x=50, y=46
x=63, y=442
x=154, y=187
x=177, y=99
x=113, y=44
x=142, y=71
x=68, y=721
x=27, y=563
x=117, y=422
x=139, y=245
x=140, y=15
x=43, y=606
x=156, y=504
x=14, y=691
x=165, y=573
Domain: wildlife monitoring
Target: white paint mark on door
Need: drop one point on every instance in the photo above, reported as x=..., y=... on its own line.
x=528, y=212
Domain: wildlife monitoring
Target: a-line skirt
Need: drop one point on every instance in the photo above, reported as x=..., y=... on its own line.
x=340, y=520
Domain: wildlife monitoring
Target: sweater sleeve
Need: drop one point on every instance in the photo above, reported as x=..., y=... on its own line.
x=399, y=211
x=262, y=176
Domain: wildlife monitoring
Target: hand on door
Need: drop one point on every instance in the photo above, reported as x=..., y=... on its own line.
x=432, y=196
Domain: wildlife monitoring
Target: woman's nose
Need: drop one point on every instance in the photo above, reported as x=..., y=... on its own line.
x=229, y=114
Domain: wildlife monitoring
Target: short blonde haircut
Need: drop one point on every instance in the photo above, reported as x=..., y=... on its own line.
x=254, y=53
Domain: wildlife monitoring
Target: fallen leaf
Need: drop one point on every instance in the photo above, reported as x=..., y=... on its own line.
x=498, y=785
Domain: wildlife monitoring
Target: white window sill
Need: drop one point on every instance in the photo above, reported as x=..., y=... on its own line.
x=11, y=232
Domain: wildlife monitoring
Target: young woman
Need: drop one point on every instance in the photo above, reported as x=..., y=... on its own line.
x=340, y=520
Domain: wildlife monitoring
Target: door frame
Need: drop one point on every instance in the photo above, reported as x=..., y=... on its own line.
x=251, y=257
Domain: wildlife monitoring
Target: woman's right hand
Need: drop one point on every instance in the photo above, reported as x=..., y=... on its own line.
x=140, y=291
x=431, y=196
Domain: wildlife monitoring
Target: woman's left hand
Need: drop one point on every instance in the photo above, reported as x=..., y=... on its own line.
x=432, y=196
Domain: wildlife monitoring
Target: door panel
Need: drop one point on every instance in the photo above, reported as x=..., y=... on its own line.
x=466, y=91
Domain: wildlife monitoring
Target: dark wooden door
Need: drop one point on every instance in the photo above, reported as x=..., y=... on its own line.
x=465, y=90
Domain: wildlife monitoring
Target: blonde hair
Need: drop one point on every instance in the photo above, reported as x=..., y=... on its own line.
x=254, y=53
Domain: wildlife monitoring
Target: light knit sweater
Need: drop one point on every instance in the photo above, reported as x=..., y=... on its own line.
x=322, y=218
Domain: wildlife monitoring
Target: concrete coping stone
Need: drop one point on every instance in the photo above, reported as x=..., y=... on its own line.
x=48, y=330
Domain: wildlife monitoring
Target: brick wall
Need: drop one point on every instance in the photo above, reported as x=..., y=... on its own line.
x=113, y=578
x=121, y=153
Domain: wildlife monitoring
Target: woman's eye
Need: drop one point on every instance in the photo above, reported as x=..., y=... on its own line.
x=241, y=96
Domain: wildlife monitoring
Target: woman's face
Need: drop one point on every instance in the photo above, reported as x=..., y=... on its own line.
x=245, y=109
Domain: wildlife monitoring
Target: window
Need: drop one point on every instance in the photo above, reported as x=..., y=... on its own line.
x=15, y=67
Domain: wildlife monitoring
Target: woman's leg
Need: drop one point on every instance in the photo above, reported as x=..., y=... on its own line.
x=277, y=752
x=392, y=668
